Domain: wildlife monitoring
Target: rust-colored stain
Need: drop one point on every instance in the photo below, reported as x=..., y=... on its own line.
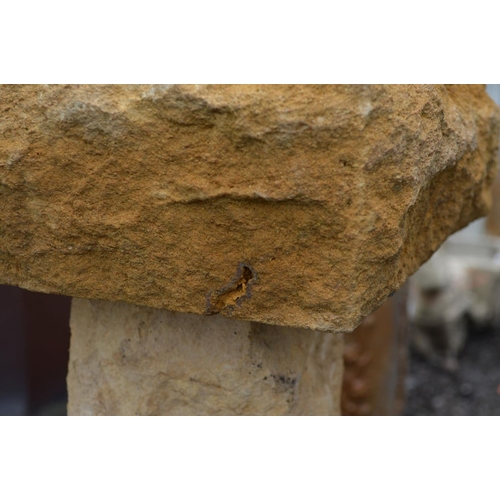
x=232, y=294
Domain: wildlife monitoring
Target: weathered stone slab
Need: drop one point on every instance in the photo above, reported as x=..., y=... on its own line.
x=132, y=360
x=303, y=206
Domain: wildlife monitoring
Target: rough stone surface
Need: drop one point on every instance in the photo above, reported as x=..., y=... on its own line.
x=128, y=360
x=301, y=205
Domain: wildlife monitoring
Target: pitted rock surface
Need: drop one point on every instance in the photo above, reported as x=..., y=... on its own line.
x=295, y=205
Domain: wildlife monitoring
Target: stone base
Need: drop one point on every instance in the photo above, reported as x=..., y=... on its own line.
x=132, y=360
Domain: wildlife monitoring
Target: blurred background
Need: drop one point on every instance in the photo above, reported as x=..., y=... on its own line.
x=431, y=349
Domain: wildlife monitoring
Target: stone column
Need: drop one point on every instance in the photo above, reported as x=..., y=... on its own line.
x=132, y=360
x=284, y=213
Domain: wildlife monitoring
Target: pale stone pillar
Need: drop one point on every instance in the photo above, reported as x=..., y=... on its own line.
x=132, y=360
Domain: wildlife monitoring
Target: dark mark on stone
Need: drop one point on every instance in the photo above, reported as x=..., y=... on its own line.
x=289, y=381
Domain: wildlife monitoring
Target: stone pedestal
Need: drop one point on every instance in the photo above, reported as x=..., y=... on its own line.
x=302, y=207
x=133, y=360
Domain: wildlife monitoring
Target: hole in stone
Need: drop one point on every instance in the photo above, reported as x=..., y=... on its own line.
x=235, y=291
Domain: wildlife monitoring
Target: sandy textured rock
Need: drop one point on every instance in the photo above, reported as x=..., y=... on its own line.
x=128, y=360
x=296, y=205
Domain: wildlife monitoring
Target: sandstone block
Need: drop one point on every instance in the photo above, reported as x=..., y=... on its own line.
x=293, y=205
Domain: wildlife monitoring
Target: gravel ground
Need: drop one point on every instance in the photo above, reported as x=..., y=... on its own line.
x=472, y=390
